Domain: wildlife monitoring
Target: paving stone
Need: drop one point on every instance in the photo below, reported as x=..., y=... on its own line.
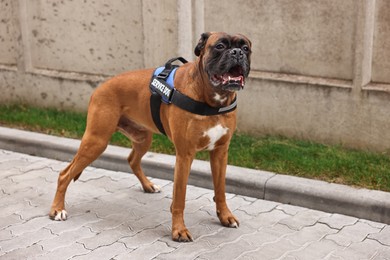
x=373, y=223
x=27, y=240
x=32, y=225
x=194, y=219
x=40, y=173
x=145, y=237
x=67, y=252
x=8, y=156
x=383, y=236
x=266, y=219
x=227, y=235
x=150, y=251
x=22, y=253
x=352, y=234
x=338, y=221
x=267, y=235
x=9, y=220
x=108, y=185
x=315, y=250
x=29, y=188
x=303, y=219
x=79, y=190
x=73, y=223
x=5, y=184
x=5, y=235
x=228, y=251
x=290, y=209
x=150, y=221
x=207, y=227
x=56, y=166
x=383, y=253
x=34, y=212
x=104, y=252
x=274, y=250
x=12, y=164
x=66, y=239
x=194, y=193
x=34, y=168
x=259, y=206
x=146, y=198
x=234, y=203
x=168, y=190
x=366, y=249
x=106, y=237
x=187, y=251
x=197, y=204
x=310, y=234
x=110, y=222
x=13, y=208
x=93, y=172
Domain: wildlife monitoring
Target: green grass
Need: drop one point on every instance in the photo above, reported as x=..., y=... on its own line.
x=277, y=154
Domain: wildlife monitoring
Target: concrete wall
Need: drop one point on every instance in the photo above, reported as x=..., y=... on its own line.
x=320, y=69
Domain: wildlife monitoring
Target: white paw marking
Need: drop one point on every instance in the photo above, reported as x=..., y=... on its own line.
x=233, y=225
x=156, y=188
x=61, y=216
x=214, y=134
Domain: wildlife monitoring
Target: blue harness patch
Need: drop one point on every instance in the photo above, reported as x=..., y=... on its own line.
x=165, y=87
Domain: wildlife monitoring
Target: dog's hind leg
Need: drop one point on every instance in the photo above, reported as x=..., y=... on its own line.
x=90, y=149
x=141, y=140
x=93, y=143
x=134, y=159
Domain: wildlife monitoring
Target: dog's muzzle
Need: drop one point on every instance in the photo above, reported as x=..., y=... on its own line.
x=232, y=78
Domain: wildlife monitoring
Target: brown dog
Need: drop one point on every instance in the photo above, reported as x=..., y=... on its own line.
x=123, y=103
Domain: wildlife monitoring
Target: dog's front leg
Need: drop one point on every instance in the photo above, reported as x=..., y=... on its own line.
x=218, y=161
x=182, y=171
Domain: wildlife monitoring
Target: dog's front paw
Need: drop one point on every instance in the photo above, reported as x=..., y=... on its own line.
x=181, y=235
x=228, y=219
x=58, y=215
x=152, y=188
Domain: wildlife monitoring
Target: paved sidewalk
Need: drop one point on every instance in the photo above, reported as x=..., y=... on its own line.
x=319, y=195
x=112, y=218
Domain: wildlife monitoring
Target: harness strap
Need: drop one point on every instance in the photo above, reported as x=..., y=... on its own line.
x=155, y=104
x=162, y=90
x=199, y=108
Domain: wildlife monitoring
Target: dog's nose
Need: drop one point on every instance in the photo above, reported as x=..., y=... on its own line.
x=237, y=53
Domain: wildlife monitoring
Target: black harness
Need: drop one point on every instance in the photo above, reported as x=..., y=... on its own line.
x=163, y=91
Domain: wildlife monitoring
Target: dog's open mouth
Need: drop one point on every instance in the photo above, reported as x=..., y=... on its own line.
x=232, y=80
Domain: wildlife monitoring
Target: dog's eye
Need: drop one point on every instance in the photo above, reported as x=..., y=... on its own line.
x=220, y=46
x=245, y=48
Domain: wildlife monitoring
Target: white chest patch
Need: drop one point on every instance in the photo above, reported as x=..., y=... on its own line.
x=214, y=134
x=219, y=99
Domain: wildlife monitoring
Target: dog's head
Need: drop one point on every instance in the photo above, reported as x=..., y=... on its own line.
x=225, y=58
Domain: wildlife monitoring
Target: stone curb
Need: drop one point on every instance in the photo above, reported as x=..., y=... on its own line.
x=361, y=203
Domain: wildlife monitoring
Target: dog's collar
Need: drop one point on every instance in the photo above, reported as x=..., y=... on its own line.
x=162, y=84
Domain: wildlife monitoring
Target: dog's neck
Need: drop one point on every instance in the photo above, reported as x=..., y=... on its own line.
x=213, y=96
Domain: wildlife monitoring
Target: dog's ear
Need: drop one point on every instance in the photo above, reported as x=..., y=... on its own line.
x=202, y=42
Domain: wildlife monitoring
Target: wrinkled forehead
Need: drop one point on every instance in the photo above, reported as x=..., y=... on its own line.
x=236, y=40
